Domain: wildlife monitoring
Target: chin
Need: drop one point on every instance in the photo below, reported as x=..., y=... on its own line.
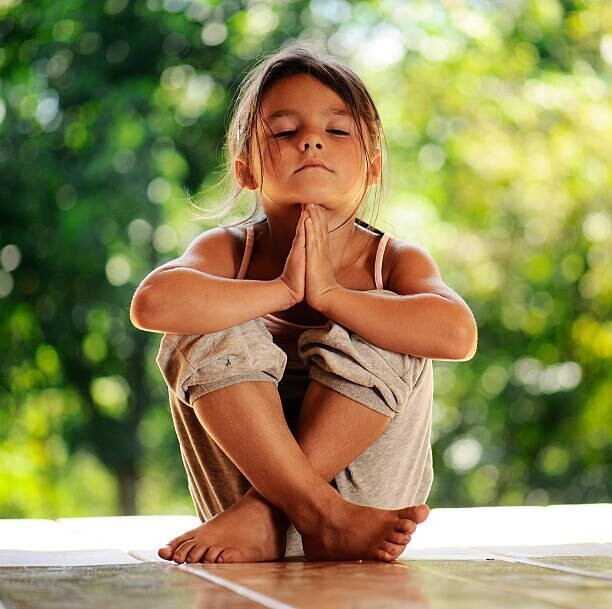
x=320, y=197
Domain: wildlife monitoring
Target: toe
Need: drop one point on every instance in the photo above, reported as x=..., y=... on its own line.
x=165, y=552
x=196, y=553
x=170, y=548
x=177, y=541
x=417, y=513
x=399, y=538
x=212, y=554
x=230, y=555
x=421, y=513
x=406, y=526
x=390, y=550
x=183, y=550
x=383, y=555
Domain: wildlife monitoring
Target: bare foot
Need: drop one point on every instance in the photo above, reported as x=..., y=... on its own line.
x=355, y=532
x=249, y=531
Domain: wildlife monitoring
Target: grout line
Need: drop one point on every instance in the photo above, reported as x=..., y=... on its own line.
x=499, y=587
x=548, y=565
x=243, y=591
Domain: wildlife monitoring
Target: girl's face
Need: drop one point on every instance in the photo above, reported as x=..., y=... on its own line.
x=310, y=149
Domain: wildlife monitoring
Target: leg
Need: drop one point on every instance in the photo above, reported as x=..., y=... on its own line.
x=396, y=469
x=207, y=364
x=262, y=446
x=334, y=432
x=332, y=529
x=215, y=483
x=250, y=524
x=367, y=415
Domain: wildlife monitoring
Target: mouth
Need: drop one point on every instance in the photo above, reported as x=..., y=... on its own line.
x=313, y=164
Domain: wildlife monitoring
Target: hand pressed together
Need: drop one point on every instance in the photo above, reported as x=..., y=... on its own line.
x=308, y=271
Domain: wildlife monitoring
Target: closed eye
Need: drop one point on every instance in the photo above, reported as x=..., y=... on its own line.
x=338, y=132
x=281, y=134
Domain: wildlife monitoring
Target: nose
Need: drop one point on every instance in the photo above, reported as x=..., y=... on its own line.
x=311, y=140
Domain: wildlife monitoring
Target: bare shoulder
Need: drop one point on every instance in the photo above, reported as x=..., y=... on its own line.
x=411, y=269
x=217, y=251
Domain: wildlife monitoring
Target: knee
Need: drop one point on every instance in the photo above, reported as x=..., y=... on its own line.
x=211, y=361
x=342, y=360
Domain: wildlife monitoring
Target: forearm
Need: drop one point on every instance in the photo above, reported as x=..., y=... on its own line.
x=424, y=325
x=186, y=301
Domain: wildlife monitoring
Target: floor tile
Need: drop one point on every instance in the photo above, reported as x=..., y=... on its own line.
x=141, y=586
x=596, y=564
x=568, y=549
x=533, y=583
x=476, y=558
x=370, y=585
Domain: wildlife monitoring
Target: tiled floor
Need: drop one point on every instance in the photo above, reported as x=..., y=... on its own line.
x=516, y=558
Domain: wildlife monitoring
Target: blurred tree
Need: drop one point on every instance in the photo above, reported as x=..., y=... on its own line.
x=500, y=134
x=109, y=110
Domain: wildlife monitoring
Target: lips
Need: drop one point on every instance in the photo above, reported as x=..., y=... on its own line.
x=313, y=164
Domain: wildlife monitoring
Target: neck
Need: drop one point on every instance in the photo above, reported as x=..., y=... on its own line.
x=281, y=227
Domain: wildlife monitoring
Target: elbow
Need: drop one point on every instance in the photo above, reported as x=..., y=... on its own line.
x=464, y=340
x=143, y=309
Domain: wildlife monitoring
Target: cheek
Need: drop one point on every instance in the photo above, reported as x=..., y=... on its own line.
x=357, y=159
x=356, y=153
x=273, y=157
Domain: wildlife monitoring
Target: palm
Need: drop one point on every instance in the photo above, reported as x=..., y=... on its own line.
x=320, y=278
x=294, y=273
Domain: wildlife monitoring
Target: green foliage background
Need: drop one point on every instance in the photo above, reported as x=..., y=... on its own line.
x=499, y=125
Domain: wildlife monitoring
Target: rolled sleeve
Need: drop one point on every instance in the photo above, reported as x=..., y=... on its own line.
x=193, y=365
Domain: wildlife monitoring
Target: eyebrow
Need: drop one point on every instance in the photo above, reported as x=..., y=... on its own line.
x=333, y=110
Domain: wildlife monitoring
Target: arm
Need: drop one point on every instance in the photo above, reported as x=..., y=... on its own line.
x=424, y=317
x=197, y=293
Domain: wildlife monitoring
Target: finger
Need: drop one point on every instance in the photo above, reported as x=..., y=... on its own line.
x=300, y=235
x=309, y=232
x=322, y=214
x=316, y=217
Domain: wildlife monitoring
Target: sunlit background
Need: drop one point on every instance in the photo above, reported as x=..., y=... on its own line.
x=498, y=118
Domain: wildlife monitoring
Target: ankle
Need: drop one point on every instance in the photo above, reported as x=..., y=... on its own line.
x=267, y=509
x=314, y=511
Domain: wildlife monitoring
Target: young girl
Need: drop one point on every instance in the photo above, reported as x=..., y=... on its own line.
x=297, y=349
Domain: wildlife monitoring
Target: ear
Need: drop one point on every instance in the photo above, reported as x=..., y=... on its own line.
x=375, y=168
x=244, y=176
